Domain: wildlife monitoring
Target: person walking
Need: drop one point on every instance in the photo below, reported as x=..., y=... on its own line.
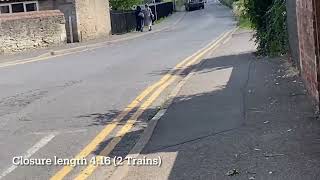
x=139, y=19
x=148, y=17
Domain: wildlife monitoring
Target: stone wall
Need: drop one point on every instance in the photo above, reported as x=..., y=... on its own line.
x=31, y=30
x=308, y=58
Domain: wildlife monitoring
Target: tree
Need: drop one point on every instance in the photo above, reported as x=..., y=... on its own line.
x=123, y=4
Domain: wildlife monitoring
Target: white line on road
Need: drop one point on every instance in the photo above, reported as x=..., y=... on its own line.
x=71, y=131
x=44, y=141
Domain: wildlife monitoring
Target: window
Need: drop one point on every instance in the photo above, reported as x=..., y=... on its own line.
x=4, y=9
x=19, y=7
x=31, y=7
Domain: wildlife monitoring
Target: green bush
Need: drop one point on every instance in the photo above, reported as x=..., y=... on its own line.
x=124, y=4
x=277, y=33
x=239, y=8
x=268, y=18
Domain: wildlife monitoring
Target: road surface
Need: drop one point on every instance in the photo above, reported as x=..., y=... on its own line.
x=57, y=106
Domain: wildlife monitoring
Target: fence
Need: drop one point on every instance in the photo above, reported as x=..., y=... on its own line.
x=125, y=21
x=122, y=21
x=163, y=9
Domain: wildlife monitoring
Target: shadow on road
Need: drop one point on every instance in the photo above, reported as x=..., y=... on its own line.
x=244, y=122
x=101, y=118
x=236, y=112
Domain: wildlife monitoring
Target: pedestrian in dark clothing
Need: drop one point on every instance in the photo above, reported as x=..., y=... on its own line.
x=139, y=19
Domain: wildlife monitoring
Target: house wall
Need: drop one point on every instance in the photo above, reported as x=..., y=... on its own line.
x=31, y=30
x=67, y=7
x=307, y=42
x=93, y=19
x=90, y=19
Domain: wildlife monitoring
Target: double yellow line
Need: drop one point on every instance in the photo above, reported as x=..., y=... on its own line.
x=157, y=89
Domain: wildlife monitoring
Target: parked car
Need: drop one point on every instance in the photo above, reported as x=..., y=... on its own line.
x=194, y=4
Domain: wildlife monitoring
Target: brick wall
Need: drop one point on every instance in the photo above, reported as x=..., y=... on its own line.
x=31, y=30
x=306, y=31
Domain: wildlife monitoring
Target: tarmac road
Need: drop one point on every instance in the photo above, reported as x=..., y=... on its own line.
x=57, y=106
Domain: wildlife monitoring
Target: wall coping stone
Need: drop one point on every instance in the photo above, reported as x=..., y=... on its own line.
x=30, y=15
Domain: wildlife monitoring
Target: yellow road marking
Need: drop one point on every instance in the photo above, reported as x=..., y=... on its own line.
x=42, y=58
x=125, y=129
x=87, y=172
x=163, y=83
x=107, y=130
x=31, y=60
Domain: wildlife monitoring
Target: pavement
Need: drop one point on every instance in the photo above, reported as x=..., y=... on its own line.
x=237, y=117
x=82, y=105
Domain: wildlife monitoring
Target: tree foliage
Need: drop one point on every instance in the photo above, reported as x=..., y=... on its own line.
x=123, y=4
x=268, y=18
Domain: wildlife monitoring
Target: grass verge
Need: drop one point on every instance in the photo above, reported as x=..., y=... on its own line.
x=244, y=23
